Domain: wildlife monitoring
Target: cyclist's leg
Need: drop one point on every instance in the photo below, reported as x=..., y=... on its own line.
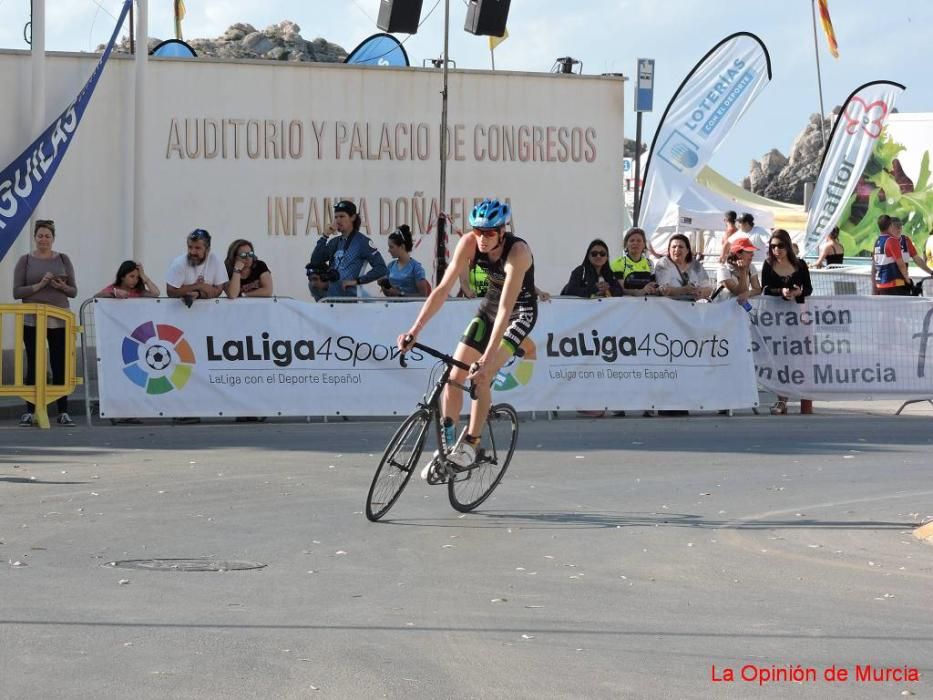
x=484, y=392
x=453, y=396
x=520, y=325
x=472, y=345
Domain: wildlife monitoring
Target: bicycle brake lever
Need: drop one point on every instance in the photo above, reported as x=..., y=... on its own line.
x=402, y=361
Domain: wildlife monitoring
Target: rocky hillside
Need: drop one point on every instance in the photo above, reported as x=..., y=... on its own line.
x=781, y=177
x=280, y=42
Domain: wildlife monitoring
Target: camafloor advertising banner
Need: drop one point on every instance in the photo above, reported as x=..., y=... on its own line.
x=851, y=143
x=712, y=98
x=258, y=357
x=24, y=181
x=844, y=347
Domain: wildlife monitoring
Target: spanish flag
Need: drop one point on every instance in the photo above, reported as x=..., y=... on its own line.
x=828, y=28
x=494, y=41
x=179, y=16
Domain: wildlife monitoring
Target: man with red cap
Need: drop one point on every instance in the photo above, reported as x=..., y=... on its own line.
x=737, y=278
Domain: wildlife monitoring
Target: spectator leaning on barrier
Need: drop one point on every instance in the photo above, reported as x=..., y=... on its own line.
x=680, y=276
x=594, y=277
x=45, y=276
x=405, y=276
x=131, y=282
x=832, y=252
x=198, y=274
x=341, y=258
x=783, y=274
x=633, y=269
x=249, y=276
x=756, y=234
x=737, y=278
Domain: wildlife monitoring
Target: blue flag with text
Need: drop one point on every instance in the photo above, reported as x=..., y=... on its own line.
x=24, y=181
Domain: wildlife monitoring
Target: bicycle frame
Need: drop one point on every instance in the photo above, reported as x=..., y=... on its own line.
x=431, y=401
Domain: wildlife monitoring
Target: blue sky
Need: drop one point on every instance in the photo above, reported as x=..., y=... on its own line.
x=876, y=41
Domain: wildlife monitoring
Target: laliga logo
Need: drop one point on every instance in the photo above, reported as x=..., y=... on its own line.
x=518, y=370
x=157, y=358
x=868, y=117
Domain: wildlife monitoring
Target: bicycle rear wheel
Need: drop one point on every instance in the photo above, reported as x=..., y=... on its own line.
x=397, y=464
x=469, y=488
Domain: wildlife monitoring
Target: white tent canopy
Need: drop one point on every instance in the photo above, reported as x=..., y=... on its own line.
x=701, y=209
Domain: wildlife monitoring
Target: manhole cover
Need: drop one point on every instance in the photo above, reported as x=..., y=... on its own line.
x=187, y=564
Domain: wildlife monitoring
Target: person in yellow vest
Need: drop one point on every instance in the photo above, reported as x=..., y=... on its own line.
x=633, y=269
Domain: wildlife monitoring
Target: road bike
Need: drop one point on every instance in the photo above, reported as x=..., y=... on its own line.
x=467, y=487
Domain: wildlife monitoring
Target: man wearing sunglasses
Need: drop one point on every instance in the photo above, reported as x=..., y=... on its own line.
x=198, y=274
x=505, y=318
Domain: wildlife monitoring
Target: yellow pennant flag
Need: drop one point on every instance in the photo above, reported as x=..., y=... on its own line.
x=494, y=41
x=828, y=28
x=179, y=16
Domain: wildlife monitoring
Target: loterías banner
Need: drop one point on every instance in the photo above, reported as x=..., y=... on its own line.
x=857, y=129
x=25, y=180
x=710, y=100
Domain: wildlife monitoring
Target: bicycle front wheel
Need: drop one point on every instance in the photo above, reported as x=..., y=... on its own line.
x=469, y=488
x=397, y=465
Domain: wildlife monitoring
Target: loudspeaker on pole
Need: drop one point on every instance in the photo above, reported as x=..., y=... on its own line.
x=487, y=17
x=399, y=16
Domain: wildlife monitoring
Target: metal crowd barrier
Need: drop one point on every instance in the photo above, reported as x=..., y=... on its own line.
x=42, y=393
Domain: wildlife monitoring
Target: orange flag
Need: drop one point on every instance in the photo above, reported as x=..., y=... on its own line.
x=828, y=28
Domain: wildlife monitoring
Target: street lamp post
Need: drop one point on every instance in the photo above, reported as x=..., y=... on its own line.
x=441, y=248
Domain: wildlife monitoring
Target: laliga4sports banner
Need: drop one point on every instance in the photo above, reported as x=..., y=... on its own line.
x=851, y=142
x=24, y=181
x=264, y=357
x=710, y=100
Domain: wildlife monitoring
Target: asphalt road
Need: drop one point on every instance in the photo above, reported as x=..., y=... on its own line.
x=620, y=558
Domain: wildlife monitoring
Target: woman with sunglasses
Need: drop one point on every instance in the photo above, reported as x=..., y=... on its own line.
x=45, y=276
x=131, y=282
x=679, y=274
x=786, y=276
x=504, y=319
x=593, y=278
x=249, y=277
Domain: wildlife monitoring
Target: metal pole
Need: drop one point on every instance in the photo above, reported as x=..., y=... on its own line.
x=441, y=221
x=637, y=207
x=819, y=78
x=37, y=63
x=132, y=32
x=139, y=131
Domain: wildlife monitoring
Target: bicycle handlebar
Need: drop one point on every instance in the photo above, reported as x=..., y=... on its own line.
x=447, y=359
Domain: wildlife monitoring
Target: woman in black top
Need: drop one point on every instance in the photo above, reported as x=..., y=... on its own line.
x=832, y=252
x=784, y=275
x=249, y=276
x=594, y=278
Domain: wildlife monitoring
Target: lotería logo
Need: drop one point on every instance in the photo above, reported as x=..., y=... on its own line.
x=680, y=152
x=519, y=369
x=157, y=358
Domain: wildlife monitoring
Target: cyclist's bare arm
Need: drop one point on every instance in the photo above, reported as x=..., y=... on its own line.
x=466, y=248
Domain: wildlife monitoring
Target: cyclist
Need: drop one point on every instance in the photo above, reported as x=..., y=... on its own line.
x=505, y=318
